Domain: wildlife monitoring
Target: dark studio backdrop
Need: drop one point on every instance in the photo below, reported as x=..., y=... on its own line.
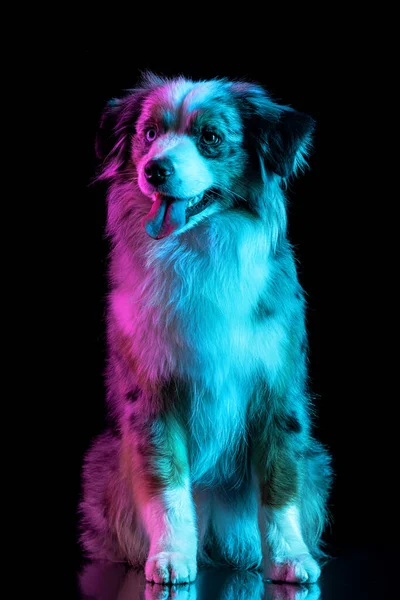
x=325, y=213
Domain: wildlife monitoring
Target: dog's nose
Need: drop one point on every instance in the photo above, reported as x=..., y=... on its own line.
x=157, y=171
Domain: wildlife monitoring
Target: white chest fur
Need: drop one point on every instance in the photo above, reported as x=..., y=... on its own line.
x=189, y=311
x=189, y=308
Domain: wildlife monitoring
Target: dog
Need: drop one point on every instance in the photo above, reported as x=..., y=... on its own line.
x=210, y=457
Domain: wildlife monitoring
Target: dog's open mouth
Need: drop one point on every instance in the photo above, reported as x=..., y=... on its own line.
x=198, y=203
x=169, y=214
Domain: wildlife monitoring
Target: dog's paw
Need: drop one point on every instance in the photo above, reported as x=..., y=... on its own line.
x=170, y=567
x=293, y=569
x=291, y=592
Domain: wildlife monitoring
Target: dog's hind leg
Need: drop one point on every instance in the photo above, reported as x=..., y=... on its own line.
x=110, y=527
x=316, y=483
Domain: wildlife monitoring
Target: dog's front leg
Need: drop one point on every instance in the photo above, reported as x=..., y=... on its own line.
x=162, y=492
x=278, y=449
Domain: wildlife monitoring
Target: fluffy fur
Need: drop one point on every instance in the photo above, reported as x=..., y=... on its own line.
x=210, y=458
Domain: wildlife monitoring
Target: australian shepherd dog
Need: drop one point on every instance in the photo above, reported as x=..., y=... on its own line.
x=210, y=457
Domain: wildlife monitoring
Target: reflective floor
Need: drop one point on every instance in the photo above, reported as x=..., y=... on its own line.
x=355, y=575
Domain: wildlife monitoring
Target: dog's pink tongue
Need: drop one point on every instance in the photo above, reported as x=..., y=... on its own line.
x=167, y=214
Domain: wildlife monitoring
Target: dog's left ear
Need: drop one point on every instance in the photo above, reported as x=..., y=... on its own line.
x=281, y=134
x=289, y=142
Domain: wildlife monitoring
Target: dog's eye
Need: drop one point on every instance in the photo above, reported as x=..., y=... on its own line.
x=209, y=138
x=151, y=134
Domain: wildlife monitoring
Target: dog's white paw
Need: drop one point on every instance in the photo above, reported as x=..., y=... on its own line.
x=170, y=567
x=301, y=568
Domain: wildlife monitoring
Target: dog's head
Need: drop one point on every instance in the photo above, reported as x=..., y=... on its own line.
x=195, y=148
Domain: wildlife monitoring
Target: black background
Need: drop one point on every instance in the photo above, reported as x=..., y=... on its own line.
x=329, y=206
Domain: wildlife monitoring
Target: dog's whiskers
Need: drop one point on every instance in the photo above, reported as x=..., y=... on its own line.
x=232, y=193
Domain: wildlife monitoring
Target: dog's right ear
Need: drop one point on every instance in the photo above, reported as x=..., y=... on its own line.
x=117, y=125
x=105, y=138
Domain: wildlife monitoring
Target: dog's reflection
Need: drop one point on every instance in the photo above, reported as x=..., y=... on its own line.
x=107, y=581
x=291, y=592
